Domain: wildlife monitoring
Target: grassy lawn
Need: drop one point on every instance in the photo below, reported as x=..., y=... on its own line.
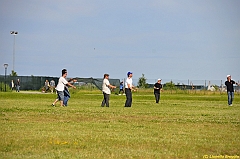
x=181, y=126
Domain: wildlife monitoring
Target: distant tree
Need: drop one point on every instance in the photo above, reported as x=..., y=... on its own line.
x=13, y=73
x=142, y=82
x=170, y=85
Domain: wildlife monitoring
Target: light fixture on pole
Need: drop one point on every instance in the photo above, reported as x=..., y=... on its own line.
x=14, y=33
x=5, y=66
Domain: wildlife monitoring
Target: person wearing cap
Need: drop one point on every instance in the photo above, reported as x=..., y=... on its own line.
x=128, y=90
x=121, y=88
x=157, y=88
x=230, y=90
x=106, y=90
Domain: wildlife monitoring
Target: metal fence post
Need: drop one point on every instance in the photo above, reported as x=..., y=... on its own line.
x=221, y=88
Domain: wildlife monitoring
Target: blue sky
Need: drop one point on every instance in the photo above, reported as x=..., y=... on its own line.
x=173, y=39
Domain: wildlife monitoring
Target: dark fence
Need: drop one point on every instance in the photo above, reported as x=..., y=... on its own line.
x=37, y=82
x=27, y=82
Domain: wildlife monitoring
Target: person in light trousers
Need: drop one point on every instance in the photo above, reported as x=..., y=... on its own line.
x=106, y=90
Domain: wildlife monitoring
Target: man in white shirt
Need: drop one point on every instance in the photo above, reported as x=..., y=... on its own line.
x=60, y=87
x=128, y=90
x=106, y=90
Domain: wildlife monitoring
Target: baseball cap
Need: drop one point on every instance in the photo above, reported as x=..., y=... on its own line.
x=228, y=75
x=129, y=73
x=159, y=79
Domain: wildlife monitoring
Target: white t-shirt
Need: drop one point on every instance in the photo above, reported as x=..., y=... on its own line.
x=61, y=83
x=128, y=81
x=105, y=87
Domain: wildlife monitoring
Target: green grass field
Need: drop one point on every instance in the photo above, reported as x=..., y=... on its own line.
x=181, y=126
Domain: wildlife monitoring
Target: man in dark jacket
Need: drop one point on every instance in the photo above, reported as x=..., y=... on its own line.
x=67, y=93
x=230, y=90
x=157, y=88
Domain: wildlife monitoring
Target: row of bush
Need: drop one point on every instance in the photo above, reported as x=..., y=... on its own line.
x=2, y=87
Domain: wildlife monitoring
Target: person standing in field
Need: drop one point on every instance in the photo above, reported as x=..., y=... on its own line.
x=157, y=88
x=230, y=90
x=128, y=90
x=121, y=88
x=106, y=90
x=18, y=86
x=60, y=87
x=46, y=86
x=12, y=85
x=52, y=85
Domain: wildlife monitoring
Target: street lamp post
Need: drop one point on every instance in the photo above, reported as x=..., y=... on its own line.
x=5, y=66
x=14, y=33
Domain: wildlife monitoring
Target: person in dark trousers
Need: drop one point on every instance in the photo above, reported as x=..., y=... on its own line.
x=230, y=90
x=128, y=90
x=157, y=88
x=106, y=90
x=18, y=85
x=121, y=88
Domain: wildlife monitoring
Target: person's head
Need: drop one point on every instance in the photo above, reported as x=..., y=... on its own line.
x=129, y=74
x=228, y=77
x=159, y=80
x=64, y=73
x=106, y=76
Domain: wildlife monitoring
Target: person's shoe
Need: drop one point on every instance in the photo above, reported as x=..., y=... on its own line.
x=53, y=105
x=230, y=105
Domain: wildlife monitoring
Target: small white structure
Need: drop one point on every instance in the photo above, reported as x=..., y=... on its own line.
x=210, y=87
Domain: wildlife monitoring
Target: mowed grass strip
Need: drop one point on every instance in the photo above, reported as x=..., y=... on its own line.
x=181, y=126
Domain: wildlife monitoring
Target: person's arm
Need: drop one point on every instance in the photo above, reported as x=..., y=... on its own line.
x=132, y=88
x=156, y=87
x=69, y=82
x=111, y=86
x=71, y=85
x=72, y=80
